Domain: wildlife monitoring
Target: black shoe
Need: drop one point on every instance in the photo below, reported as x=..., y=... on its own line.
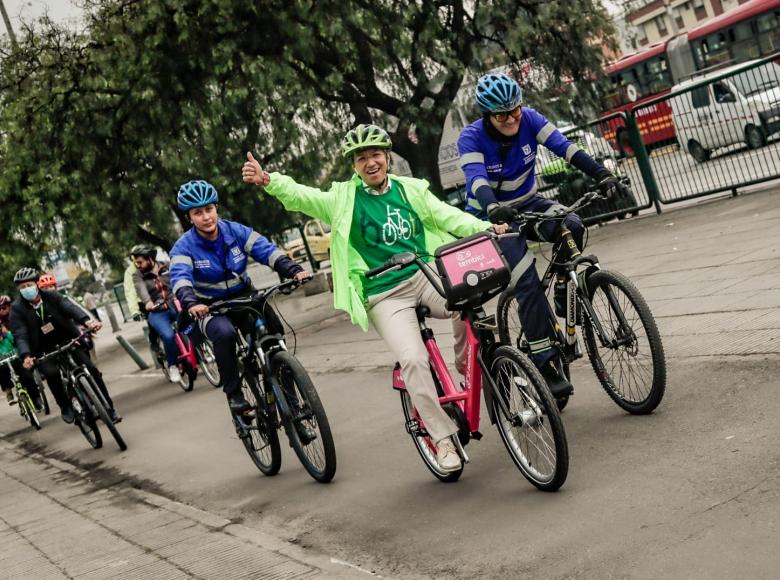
x=559, y=386
x=114, y=416
x=305, y=433
x=68, y=415
x=238, y=404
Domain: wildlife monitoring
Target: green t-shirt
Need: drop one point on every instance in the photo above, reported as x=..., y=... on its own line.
x=7, y=346
x=383, y=225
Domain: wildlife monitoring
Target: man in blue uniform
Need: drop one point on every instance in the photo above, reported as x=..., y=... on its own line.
x=208, y=263
x=497, y=154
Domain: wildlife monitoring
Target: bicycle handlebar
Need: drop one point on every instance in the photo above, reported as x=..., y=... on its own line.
x=245, y=302
x=64, y=348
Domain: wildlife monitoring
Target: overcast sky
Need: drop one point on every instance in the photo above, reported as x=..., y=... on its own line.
x=62, y=11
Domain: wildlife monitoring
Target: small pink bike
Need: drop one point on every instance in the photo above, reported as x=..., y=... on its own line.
x=471, y=271
x=187, y=360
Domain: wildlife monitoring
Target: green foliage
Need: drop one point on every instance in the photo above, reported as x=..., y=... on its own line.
x=98, y=128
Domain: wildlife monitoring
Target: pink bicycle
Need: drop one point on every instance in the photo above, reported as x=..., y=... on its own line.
x=471, y=272
x=187, y=361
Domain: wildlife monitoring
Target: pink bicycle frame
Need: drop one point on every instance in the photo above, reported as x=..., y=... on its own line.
x=186, y=351
x=468, y=398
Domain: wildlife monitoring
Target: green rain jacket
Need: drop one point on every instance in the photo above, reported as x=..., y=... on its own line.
x=440, y=220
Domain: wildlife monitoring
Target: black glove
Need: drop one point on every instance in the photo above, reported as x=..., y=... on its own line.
x=609, y=186
x=137, y=316
x=501, y=214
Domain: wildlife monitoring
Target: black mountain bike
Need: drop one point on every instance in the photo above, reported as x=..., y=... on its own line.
x=88, y=402
x=27, y=407
x=620, y=333
x=279, y=389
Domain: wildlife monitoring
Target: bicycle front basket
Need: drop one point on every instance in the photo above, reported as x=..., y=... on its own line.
x=473, y=270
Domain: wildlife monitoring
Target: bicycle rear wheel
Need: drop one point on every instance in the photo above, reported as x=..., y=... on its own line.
x=261, y=439
x=425, y=445
x=208, y=361
x=530, y=427
x=631, y=366
x=90, y=388
x=318, y=455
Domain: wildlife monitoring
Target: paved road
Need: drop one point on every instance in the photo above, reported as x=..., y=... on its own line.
x=691, y=491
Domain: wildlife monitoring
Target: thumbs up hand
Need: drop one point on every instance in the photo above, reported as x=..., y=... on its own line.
x=251, y=172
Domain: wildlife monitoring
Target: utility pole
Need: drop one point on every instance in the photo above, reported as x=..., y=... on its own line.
x=8, y=26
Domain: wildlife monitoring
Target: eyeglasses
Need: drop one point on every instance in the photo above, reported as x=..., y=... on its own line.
x=504, y=115
x=5, y=307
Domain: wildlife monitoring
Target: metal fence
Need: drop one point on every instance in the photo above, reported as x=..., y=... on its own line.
x=715, y=132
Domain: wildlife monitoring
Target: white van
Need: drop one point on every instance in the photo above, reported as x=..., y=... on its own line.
x=742, y=108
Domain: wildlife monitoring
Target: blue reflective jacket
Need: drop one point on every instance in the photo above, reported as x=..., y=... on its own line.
x=511, y=175
x=201, y=274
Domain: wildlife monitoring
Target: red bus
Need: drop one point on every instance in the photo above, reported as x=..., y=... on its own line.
x=751, y=30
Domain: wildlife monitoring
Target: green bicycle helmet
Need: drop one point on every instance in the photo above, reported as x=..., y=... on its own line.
x=365, y=137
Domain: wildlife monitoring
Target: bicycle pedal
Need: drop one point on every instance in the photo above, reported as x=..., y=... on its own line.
x=412, y=426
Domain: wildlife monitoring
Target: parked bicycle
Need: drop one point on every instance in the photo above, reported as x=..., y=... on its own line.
x=279, y=389
x=620, y=333
x=471, y=271
x=28, y=408
x=88, y=402
x=186, y=359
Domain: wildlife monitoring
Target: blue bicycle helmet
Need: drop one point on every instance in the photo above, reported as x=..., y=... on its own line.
x=196, y=193
x=498, y=93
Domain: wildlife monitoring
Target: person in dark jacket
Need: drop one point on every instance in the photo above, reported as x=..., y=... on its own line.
x=152, y=284
x=208, y=263
x=41, y=322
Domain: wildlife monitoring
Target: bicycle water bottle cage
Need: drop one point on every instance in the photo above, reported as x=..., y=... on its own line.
x=473, y=270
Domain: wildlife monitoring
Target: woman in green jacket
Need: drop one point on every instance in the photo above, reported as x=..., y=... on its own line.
x=373, y=216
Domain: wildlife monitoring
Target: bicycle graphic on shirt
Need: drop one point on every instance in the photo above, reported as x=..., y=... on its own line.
x=396, y=227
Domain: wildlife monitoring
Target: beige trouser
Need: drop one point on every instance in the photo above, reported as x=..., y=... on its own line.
x=392, y=314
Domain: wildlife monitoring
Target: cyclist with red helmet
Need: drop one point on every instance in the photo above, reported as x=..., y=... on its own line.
x=47, y=282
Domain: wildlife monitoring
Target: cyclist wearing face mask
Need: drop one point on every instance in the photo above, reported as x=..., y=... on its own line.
x=41, y=322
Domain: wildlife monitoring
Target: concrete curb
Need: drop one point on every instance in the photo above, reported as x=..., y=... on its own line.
x=329, y=567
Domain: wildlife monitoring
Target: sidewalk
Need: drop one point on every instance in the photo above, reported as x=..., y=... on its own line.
x=55, y=523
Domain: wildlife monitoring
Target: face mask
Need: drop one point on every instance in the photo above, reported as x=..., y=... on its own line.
x=29, y=293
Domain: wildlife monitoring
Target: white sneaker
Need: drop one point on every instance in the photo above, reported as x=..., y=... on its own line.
x=447, y=456
x=173, y=374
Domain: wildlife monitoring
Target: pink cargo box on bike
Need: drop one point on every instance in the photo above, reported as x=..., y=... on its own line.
x=473, y=270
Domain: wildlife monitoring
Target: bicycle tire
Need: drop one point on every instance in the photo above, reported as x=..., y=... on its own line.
x=425, y=446
x=208, y=362
x=27, y=409
x=270, y=463
x=87, y=424
x=539, y=415
x=308, y=453
x=643, y=404
x=510, y=332
x=44, y=400
x=90, y=389
x=188, y=374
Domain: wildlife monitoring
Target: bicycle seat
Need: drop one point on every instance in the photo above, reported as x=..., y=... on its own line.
x=422, y=312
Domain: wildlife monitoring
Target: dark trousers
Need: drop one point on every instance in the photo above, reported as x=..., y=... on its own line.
x=532, y=303
x=25, y=377
x=50, y=370
x=221, y=331
x=94, y=312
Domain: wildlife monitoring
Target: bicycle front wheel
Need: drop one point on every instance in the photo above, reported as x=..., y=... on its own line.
x=425, y=445
x=90, y=388
x=528, y=421
x=27, y=409
x=86, y=422
x=260, y=439
x=309, y=431
x=629, y=359
x=208, y=361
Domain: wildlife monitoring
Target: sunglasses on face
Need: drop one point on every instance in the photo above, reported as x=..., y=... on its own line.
x=504, y=116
